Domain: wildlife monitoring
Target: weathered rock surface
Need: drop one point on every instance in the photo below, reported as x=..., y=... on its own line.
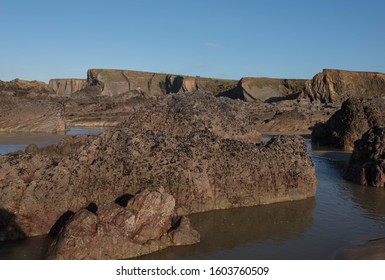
x=30, y=114
x=66, y=87
x=147, y=84
x=146, y=224
x=339, y=85
x=367, y=162
x=349, y=123
x=202, y=171
x=180, y=114
x=19, y=87
x=266, y=89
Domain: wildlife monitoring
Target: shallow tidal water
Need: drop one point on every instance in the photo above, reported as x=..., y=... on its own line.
x=340, y=216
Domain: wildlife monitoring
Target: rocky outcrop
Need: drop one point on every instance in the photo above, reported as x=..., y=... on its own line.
x=339, y=85
x=266, y=89
x=30, y=114
x=144, y=224
x=19, y=87
x=349, y=123
x=132, y=83
x=202, y=170
x=182, y=84
x=147, y=84
x=66, y=87
x=180, y=114
x=367, y=163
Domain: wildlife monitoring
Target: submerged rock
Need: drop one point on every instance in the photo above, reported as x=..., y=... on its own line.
x=367, y=163
x=349, y=123
x=146, y=224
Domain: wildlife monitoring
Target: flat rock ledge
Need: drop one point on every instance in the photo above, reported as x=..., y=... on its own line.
x=367, y=162
x=124, y=229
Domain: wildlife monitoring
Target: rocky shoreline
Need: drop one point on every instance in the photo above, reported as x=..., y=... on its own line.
x=192, y=142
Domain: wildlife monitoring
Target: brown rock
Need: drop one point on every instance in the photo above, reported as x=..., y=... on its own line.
x=266, y=89
x=202, y=171
x=339, y=85
x=30, y=114
x=147, y=84
x=66, y=87
x=180, y=114
x=116, y=232
x=349, y=123
x=21, y=88
x=367, y=162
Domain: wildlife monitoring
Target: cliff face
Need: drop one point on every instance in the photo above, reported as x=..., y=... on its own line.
x=23, y=114
x=266, y=89
x=65, y=87
x=339, y=85
x=146, y=84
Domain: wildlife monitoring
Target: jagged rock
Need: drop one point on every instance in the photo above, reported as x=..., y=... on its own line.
x=339, y=85
x=24, y=114
x=147, y=224
x=349, y=123
x=66, y=87
x=21, y=87
x=201, y=170
x=179, y=114
x=367, y=163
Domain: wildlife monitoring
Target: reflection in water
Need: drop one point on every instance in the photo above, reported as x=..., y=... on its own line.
x=224, y=231
x=12, y=142
x=27, y=249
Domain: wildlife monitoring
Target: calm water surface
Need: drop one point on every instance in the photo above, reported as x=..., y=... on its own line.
x=341, y=215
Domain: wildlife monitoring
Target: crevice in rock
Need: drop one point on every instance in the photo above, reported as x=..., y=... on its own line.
x=123, y=199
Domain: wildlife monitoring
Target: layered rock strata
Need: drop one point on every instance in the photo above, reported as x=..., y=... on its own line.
x=266, y=90
x=340, y=85
x=31, y=114
x=66, y=87
x=147, y=84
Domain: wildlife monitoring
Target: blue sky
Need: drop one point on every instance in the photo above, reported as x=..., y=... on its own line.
x=226, y=39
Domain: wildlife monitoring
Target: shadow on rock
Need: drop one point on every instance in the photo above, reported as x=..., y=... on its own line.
x=9, y=229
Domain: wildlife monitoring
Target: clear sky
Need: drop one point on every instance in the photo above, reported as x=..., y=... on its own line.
x=41, y=39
